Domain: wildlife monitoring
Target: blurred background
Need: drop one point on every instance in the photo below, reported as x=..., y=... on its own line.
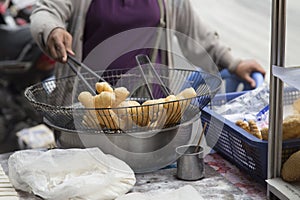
x=245, y=26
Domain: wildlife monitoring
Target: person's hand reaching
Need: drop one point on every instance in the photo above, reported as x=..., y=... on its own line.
x=246, y=68
x=59, y=43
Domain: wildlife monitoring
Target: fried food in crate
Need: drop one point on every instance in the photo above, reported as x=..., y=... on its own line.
x=254, y=129
x=296, y=106
x=243, y=124
x=250, y=126
x=265, y=133
x=290, y=171
x=291, y=127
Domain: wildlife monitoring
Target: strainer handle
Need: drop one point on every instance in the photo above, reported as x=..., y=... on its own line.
x=143, y=59
x=73, y=68
x=85, y=67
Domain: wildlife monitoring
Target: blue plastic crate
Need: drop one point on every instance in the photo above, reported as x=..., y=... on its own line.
x=238, y=146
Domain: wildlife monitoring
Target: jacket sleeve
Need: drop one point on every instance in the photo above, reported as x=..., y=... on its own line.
x=48, y=15
x=197, y=39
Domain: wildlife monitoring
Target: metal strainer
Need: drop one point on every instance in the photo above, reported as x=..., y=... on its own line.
x=63, y=110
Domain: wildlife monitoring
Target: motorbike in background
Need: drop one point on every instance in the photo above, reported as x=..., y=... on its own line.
x=22, y=64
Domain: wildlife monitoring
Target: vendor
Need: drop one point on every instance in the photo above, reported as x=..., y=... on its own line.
x=79, y=26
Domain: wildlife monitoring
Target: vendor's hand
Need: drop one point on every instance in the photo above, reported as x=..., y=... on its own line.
x=246, y=68
x=59, y=43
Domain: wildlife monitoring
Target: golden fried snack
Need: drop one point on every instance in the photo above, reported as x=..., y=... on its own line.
x=291, y=127
x=187, y=93
x=87, y=100
x=244, y=125
x=138, y=113
x=296, y=106
x=121, y=94
x=103, y=87
x=264, y=133
x=153, y=108
x=173, y=109
x=290, y=171
x=107, y=117
x=122, y=112
x=90, y=121
x=110, y=120
x=254, y=129
x=104, y=99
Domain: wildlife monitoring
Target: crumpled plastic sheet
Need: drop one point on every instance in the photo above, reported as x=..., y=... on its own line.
x=248, y=106
x=62, y=174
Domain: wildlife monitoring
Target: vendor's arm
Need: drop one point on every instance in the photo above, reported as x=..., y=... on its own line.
x=48, y=27
x=200, y=35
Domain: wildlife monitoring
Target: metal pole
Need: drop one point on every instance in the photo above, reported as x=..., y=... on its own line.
x=276, y=88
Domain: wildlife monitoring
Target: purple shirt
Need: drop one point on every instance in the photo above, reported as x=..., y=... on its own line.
x=105, y=18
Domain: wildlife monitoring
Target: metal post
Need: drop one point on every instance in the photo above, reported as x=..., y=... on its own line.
x=276, y=89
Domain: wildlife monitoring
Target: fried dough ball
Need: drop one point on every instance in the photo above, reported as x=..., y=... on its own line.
x=122, y=112
x=121, y=94
x=154, y=108
x=290, y=171
x=110, y=120
x=244, y=125
x=89, y=121
x=182, y=97
x=107, y=117
x=104, y=99
x=296, y=106
x=187, y=93
x=173, y=109
x=103, y=87
x=87, y=100
x=254, y=129
x=291, y=127
x=138, y=113
x=264, y=133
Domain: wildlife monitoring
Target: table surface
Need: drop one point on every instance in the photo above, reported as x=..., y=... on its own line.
x=222, y=180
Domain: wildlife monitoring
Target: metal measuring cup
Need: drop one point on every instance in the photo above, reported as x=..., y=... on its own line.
x=190, y=164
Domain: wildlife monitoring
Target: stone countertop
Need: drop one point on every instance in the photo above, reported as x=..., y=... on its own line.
x=213, y=186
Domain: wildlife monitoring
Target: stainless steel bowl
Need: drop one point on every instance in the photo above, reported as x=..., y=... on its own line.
x=143, y=152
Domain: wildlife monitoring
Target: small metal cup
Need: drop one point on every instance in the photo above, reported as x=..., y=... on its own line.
x=190, y=165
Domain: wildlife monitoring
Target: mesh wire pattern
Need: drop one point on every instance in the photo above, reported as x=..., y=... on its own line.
x=57, y=100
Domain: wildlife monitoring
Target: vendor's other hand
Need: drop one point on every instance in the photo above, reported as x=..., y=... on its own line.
x=246, y=68
x=59, y=43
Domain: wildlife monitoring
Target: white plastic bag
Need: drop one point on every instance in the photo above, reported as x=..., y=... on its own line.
x=70, y=174
x=247, y=106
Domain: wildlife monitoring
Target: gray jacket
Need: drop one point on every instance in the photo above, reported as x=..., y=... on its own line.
x=181, y=21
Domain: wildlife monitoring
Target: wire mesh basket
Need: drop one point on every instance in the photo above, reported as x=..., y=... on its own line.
x=57, y=100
